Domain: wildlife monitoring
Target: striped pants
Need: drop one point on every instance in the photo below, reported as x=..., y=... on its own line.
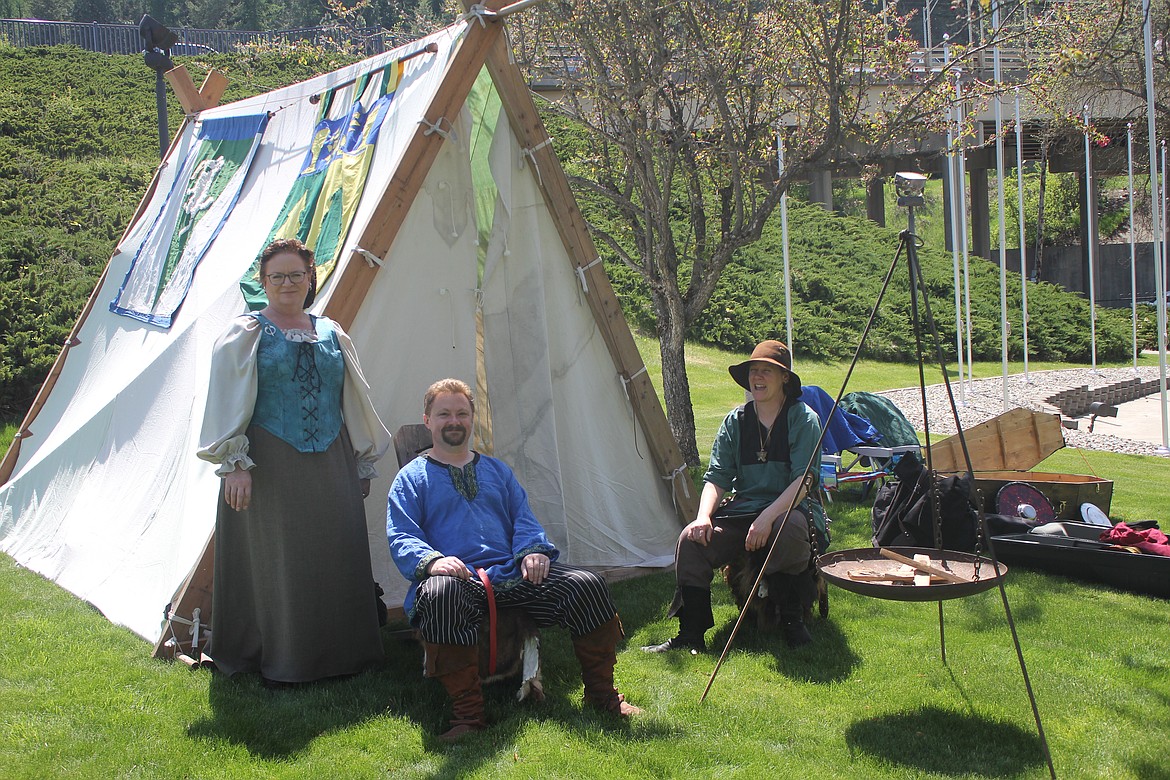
x=448, y=609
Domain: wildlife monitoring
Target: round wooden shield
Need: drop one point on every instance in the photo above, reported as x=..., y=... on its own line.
x=1019, y=499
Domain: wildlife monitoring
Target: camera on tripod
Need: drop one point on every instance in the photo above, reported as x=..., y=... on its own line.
x=910, y=186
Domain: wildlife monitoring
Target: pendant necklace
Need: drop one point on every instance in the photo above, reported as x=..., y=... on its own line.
x=762, y=452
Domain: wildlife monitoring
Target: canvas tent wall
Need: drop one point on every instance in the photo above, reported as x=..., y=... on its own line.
x=486, y=274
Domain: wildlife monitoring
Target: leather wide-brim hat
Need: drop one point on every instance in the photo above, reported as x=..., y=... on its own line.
x=774, y=352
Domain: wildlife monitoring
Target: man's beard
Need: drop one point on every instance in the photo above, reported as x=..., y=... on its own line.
x=454, y=435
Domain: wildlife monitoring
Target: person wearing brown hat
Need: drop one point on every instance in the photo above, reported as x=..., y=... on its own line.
x=758, y=463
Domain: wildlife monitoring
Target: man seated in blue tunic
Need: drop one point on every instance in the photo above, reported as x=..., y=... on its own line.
x=453, y=513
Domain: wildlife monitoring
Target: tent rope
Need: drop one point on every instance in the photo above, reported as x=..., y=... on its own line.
x=530, y=154
x=371, y=258
x=437, y=127
x=478, y=12
x=672, y=478
x=633, y=413
x=627, y=382
x=581, y=269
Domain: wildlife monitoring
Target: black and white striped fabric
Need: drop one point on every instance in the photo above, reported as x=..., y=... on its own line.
x=449, y=609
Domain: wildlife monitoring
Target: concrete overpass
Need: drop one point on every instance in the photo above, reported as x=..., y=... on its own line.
x=1109, y=111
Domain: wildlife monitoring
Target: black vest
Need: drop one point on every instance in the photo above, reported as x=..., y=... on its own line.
x=752, y=435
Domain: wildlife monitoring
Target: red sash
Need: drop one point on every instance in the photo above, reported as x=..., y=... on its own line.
x=491, y=603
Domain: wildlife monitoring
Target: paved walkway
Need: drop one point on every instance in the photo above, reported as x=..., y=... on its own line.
x=1140, y=420
x=1136, y=430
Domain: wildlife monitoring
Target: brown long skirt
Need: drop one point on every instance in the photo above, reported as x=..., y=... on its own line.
x=293, y=594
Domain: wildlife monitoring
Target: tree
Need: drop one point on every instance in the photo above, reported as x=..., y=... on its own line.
x=683, y=102
x=1095, y=55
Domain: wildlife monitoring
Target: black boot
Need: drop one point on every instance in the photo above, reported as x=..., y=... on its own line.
x=692, y=607
x=791, y=592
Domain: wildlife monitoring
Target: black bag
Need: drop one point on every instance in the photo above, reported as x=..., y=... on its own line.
x=902, y=514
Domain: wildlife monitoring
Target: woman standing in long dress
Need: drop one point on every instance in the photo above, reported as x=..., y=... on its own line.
x=291, y=426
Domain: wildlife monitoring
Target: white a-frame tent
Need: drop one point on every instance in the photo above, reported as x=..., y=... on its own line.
x=465, y=256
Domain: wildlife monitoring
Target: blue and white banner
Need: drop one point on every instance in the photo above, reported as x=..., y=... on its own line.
x=203, y=194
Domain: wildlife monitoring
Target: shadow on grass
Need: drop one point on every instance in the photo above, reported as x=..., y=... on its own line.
x=1151, y=771
x=827, y=659
x=937, y=740
x=280, y=723
x=644, y=601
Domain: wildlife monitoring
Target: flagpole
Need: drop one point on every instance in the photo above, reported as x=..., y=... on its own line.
x=999, y=165
x=1156, y=223
x=1091, y=238
x=784, y=244
x=953, y=133
x=963, y=225
x=1132, y=243
x=1023, y=239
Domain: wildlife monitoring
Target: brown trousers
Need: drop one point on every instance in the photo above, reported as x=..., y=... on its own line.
x=695, y=564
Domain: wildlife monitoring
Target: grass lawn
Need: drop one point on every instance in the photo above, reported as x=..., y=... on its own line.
x=870, y=698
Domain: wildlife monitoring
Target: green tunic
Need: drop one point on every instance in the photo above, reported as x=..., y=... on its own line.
x=736, y=466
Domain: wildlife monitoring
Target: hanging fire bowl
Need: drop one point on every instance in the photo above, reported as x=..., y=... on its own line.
x=894, y=573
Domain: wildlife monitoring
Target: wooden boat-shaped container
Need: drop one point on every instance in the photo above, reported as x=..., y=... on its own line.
x=1005, y=447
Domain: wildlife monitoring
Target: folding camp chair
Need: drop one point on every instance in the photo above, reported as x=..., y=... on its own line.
x=858, y=450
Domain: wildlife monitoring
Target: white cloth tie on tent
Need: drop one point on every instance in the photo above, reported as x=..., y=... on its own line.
x=581, y=269
x=672, y=477
x=626, y=382
x=437, y=127
x=530, y=154
x=371, y=258
x=195, y=626
x=478, y=12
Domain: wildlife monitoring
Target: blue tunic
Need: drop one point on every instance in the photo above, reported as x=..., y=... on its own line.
x=428, y=517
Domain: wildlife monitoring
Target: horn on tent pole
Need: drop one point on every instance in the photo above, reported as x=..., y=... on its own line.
x=508, y=10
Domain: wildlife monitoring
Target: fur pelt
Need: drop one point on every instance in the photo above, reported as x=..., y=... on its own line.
x=740, y=576
x=517, y=652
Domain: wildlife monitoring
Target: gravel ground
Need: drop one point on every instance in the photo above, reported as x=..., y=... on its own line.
x=983, y=400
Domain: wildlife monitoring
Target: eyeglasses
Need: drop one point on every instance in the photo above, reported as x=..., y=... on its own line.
x=278, y=279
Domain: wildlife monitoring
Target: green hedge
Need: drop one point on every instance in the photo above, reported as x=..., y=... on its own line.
x=78, y=147
x=837, y=266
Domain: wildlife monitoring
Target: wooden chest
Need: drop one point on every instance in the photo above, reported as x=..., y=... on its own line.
x=1066, y=492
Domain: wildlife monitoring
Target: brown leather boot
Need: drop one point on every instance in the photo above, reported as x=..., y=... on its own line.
x=597, y=654
x=457, y=668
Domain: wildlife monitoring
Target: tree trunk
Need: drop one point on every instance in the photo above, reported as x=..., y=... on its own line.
x=676, y=388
